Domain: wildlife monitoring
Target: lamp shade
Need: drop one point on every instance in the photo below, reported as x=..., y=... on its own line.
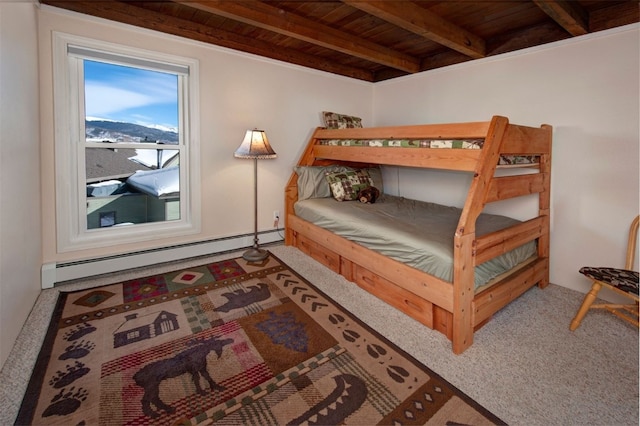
x=255, y=146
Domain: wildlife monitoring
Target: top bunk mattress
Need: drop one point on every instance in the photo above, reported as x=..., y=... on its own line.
x=504, y=159
x=419, y=234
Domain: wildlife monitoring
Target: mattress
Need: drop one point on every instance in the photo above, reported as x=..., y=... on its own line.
x=432, y=144
x=419, y=234
x=408, y=143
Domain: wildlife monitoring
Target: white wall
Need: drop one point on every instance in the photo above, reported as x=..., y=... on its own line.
x=20, y=241
x=237, y=92
x=587, y=88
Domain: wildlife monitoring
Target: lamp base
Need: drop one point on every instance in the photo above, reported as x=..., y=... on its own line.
x=255, y=255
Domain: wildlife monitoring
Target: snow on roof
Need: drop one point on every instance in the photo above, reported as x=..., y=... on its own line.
x=158, y=183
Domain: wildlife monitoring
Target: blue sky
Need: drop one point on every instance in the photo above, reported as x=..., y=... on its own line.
x=132, y=95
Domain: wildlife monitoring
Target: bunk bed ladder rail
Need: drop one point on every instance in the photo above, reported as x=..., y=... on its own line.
x=471, y=311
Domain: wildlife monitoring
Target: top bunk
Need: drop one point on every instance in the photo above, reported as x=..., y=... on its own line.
x=458, y=146
x=491, y=145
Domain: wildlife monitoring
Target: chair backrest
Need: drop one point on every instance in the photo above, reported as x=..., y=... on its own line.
x=631, y=245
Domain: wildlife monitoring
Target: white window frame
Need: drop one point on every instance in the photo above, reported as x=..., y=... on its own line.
x=70, y=145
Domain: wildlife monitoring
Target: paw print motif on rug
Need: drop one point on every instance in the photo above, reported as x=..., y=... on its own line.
x=77, y=350
x=66, y=402
x=78, y=332
x=70, y=375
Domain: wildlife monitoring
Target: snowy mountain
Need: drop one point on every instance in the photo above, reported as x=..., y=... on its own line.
x=116, y=131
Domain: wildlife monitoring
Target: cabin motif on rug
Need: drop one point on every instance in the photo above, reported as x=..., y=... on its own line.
x=135, y=329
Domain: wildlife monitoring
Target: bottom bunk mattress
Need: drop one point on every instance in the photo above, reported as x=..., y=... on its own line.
x=419, y=234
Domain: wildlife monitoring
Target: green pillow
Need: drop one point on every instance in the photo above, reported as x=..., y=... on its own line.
x=340, y=121
x=312, y=182
x=345, y=186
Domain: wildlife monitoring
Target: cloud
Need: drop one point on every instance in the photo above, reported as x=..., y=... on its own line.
x=116, y=95
x=106, y=100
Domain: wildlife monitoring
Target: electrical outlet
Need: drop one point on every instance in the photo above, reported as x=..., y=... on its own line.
x=276, y=218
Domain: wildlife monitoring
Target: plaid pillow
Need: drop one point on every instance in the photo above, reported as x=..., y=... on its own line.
x=340, y=121
x=345, y=186
x=312, y=182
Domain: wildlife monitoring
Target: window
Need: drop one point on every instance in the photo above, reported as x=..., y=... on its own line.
x=126, y=144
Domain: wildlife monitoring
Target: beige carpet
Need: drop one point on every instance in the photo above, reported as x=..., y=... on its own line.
x=525, y=365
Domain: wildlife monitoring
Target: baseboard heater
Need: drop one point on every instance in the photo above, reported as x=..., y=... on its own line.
x=53, y=273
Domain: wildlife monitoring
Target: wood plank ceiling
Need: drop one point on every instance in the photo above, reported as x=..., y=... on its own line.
x=367, y=40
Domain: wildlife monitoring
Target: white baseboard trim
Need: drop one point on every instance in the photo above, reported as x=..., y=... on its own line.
x=52, y=273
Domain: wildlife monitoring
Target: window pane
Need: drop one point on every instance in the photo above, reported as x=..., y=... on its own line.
x=126, y=186
x=128, y=105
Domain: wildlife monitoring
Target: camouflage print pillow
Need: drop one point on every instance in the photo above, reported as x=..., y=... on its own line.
x=340, y=121
x=346, y=185
x=312, y=182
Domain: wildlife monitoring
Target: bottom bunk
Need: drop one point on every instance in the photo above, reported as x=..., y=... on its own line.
x=422, y=296
x=416, y=233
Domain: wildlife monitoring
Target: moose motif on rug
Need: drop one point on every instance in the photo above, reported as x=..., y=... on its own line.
x=192, y=360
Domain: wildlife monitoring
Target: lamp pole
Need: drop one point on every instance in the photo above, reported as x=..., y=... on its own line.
x=255, y=254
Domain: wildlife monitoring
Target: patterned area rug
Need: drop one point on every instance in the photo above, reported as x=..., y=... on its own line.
x=229, y=343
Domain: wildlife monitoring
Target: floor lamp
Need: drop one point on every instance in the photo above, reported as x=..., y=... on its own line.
x=255, y=146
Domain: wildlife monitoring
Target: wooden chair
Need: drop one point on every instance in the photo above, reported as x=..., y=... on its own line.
x=621, y=281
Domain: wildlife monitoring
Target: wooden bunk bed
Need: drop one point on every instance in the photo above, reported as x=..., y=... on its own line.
x=454, y=308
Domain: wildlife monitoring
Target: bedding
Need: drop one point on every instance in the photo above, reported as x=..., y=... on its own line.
x=312, y=180
x=408, y=143
x=419, y=234
x=333, y=120
x=505, y=160
x=345, y=186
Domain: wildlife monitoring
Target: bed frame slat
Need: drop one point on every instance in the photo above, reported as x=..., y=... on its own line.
x=500, y=242
x=507, y=290
x=523, y=140
x=471, y=130
x=434, y=158
x=502, y=188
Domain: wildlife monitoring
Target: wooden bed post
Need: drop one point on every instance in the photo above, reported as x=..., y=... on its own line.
x=464, y=250
x=463, y=282
x=544, y=205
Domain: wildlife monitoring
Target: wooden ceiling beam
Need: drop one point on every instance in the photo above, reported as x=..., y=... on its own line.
x=614, y=16
x=140, y=17
x=523, y=38
x=569, y=15
x=418, y=20
x=271, y=18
